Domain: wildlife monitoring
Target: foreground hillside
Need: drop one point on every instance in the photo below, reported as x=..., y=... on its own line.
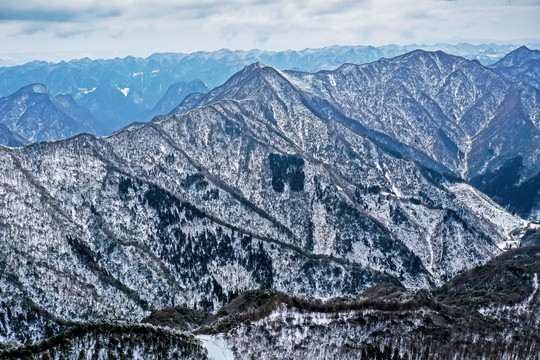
x=491, y=311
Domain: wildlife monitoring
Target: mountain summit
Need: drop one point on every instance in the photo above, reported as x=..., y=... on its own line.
x=449, y=114
x=518, y=57
x=36, y=115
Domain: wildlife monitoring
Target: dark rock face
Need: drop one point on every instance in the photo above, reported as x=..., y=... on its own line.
x=287, y=169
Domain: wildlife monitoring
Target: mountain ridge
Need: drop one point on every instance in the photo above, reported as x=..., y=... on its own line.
x=463, y=152
x=38, y=116
x=260, y=185
x=121, y=90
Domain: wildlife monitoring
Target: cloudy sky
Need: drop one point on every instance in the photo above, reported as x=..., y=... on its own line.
x=65, y=29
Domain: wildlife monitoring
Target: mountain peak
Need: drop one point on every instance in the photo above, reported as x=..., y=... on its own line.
x=523, y=48
x=35, y=89
x=255, y=66
x=422, y=54
x=34, y=114
x=518, y=57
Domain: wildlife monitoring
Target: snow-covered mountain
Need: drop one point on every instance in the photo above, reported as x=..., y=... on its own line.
x=522, y=64
x=278, y=179
x=34, y=114
x=490, y=312
x=122, y=90
x=9, y=138
x=517, y=58
x=448, y=113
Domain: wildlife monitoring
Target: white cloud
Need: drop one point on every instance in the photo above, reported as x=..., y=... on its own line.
x=140, y=27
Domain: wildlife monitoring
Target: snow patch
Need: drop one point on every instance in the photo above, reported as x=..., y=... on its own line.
x=507, y=245
x=232, y=277
x=324, y=236
x=217, y=348
x=86, y=91
x=124, y=91
x=481, y=206
x=332, y=80
x=535, y=288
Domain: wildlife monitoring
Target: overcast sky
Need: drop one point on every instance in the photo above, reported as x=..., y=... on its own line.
x=65, y=29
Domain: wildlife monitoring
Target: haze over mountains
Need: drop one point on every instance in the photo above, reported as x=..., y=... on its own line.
x=120, y=91
x=35, y=115
x=400, y=174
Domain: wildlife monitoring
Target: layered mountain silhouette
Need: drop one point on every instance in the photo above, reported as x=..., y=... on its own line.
x=314, y=184
x=175, y=94
x=123, y=90
x=35, y=115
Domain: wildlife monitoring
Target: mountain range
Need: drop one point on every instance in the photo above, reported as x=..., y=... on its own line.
x=406, y=172
x=450, y=114
x=32, y=114
x=123, y=90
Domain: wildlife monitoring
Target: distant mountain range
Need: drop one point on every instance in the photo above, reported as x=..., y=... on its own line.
x=32, y=114
x=120, y=91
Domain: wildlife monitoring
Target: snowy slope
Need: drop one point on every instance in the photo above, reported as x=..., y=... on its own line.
x=32, y=112
x=447, y=113
x=263, y=185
